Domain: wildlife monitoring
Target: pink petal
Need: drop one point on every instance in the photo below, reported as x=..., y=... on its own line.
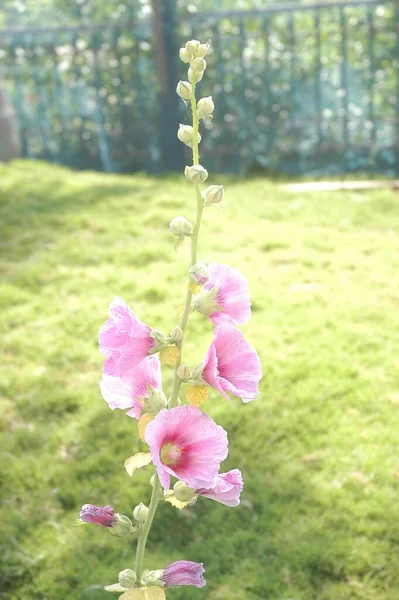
x=232, y=295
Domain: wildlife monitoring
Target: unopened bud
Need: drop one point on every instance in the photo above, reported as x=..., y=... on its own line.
x=193, y=46
x=202, y=50
x=184, y=90
x=183, y=373
x=181, y=227
x=185, y=56
x=185, y=134
x=199, y=273
x=183, y=493
x=213, y=194
x=140, y=512
x=205, y=107
x=196, y=173
x=122, y=526
x=198, y=65
x=177, y=334
x=127, y=578
x=195, y=77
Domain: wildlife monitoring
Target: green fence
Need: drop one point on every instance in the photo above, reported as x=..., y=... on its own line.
x=311, y=88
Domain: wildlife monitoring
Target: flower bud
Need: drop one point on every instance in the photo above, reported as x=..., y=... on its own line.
x=181, y=227
x=140, y=512
x=183, y=493
x=198, y=65
x=196, y=173
x=193, y=46
x=213, y=194
x=183, y=373
x=202, y=50
x=185, y=134
x=184, y=90
x=199, y=273
x=185, y=56
x=127, y=578
x=205, y=107
x=122, y=526
x=195, y=77
x=177, y=334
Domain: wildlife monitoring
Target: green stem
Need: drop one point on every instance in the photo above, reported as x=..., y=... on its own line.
x=143, y=535
x=156, y=491
x=194, y=249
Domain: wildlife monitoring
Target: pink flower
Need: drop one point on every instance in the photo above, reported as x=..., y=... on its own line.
x=137, y=384
x=184, y=572
x=226, y=488
x=124, y=339
x=232, y=365
x=186, y=443
x=100, y=516
x=225, y=296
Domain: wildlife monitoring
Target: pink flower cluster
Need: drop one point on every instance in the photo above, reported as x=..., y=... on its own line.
x=184, y=442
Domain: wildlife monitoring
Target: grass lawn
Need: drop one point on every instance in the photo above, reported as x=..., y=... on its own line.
x=318, y=450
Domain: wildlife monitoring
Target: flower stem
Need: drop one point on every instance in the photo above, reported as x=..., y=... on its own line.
x=143, y=535
x=194, y=248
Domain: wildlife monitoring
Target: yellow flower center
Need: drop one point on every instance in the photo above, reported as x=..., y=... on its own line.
x=170, y=455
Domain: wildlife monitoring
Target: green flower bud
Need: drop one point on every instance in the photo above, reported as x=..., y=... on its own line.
x=195, y=77
x=199, y=273
x=152, y=578
x=185, y=134
x=196, y=174
x=184, y=90
x=181, y=227
x=185, y=56
x=213, y=194
x=122, y=526
x=202, y=50
x=127, y=578
x=198, y=65
x=177, y=334
x=183, y=373
x=140, y=512
x=205, y=107
x=183, y=493
x=193, y=46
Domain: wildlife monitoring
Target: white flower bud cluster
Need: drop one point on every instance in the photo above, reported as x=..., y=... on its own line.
x=193, y=54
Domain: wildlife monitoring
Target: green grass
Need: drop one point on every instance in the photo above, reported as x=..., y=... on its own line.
x=319, y=448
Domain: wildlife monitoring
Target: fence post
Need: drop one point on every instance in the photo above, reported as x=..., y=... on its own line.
x=165, y=42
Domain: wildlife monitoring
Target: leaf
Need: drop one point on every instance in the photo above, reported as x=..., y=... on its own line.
x=149, y=593
x=79, y=522
x=138, y=461
x=171, y=498
x=115, y=587
x=196, y=395
x=143, y=422
x=169, y=355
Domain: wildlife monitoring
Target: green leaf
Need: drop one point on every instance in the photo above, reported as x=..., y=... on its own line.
x=137, y=461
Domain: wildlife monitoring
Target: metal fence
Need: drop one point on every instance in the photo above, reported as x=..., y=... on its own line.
x=299, y=88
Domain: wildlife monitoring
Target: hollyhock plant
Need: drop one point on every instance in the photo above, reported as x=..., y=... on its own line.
x=184, y=572
x=224, y=297
x=181, y=441
x=139, y=388
x=186, y=443
x=123, y=339
x=232, y=365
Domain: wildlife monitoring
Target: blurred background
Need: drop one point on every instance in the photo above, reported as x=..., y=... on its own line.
x=90, y=177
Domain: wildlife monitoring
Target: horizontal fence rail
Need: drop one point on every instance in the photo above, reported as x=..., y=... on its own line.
x=310, y=88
